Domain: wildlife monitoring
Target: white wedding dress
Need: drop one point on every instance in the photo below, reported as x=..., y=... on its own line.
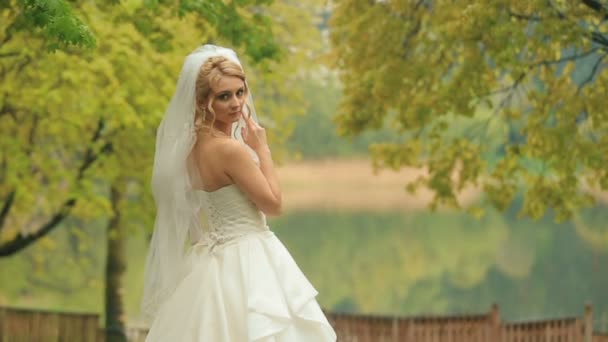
x=243, y=284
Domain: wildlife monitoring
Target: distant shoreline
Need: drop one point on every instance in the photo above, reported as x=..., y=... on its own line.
x=350, y=184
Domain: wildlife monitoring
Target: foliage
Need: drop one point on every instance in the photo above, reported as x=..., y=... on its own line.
x=115, y=94
x=537, y=66
x=54, y=18
x=279, y=85
x=59, y=23
x=314, y=135
x=88, y=117
x=124, y=84
x=83, y=114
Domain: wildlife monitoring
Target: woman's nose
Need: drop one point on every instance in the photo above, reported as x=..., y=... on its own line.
x=235, y=102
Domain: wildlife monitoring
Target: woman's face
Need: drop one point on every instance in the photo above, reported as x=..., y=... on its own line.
x=228, y=98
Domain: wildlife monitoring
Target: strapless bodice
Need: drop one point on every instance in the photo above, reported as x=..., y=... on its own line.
x=229, y=212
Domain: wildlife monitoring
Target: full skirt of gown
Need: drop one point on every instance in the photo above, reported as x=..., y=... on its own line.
x=248, y=289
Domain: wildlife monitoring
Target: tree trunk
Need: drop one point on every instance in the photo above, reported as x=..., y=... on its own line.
x=115, y=268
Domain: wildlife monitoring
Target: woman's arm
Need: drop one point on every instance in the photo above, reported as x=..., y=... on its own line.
x=260, y=184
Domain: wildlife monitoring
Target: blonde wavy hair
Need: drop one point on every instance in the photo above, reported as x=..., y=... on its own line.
x=210, y=74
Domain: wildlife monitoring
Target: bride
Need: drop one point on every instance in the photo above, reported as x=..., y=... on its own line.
x=214, y=271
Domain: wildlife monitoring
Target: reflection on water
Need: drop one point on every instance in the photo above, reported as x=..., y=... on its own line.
x=408, y=263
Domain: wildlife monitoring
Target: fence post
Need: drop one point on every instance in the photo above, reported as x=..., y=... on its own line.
x=588, y=330
x=395, y=329
x=3, y=334
x=495, y=325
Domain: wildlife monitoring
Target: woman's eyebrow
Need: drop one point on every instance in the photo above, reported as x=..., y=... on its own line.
x=227, y=91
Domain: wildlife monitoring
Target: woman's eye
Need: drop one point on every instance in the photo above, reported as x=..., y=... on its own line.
x=224, y=97
x=240, y=93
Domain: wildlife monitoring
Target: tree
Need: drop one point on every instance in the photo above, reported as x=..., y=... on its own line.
x=54, y=18
x=57, y=22
x=115, y=93
x=528, y=76
x=37, y=117
x=104, y=92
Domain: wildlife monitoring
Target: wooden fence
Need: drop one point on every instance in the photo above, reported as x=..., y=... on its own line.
x=20, y=325
x=464, y=328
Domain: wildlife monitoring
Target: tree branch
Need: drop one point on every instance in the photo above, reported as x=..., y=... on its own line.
x=9, y=54
x=523, y=16
x=599, y=38
x=7, y=109
x=511, y=90
x=8, y=33
x=3, y=168
x=564, y=59
x=592, y=73
x=32, y=135
x=6, y=208
x=90, y=156
x=17, y=69
x=560, y=14
x=20, y=242
x=596, y=6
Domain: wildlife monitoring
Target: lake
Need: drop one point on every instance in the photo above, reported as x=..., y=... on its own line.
x=421, y=262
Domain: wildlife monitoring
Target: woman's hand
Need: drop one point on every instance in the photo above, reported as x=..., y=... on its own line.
x=254, y=135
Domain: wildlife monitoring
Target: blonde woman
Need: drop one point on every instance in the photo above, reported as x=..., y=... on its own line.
x=215, y=271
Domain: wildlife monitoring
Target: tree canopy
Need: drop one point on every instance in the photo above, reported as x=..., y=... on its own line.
x=70, y=118
x=527, y=80
x=243, y=23
x=73, y=121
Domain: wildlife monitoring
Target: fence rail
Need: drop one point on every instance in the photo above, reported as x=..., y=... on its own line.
x=22, y=325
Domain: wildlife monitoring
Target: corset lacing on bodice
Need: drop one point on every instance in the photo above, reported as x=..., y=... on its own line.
x=229, y=216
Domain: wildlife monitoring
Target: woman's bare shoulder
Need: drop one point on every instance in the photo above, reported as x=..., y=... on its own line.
x=218, y=145
x=225, y=150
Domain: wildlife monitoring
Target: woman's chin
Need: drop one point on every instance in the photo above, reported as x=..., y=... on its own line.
x=235, y=117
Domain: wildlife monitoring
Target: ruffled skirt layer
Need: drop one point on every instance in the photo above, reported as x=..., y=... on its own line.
x=249, y=289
